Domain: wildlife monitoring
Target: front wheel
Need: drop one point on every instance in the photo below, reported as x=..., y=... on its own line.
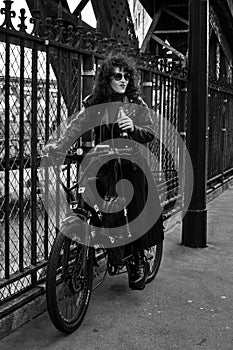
x=68, y=283
x=154, y=257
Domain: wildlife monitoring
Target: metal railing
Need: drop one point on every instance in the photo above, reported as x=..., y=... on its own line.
x=220, y=132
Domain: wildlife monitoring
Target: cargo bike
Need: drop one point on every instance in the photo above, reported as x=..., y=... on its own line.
x=79, y=261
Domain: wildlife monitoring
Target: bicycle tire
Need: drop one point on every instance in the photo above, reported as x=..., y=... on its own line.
x=154, y=257
x=68, y=283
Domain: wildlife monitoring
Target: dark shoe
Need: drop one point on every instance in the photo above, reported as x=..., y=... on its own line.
x=138, y=272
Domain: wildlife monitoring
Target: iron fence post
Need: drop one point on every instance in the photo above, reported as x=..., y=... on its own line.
x=223, y=136
x=34, y=140
x=88, y=74
x=7, y=158
x=182, y=132
x=147, y=87
x=194, y=229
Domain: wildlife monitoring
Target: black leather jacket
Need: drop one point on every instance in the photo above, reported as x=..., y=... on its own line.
x=99, y=118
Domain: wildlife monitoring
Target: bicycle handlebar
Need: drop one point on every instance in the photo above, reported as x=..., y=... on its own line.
x=99, y=150
x=105, y=150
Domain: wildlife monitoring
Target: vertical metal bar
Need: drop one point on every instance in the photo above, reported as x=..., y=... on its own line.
x=147, y=87
x=155, y=93
x=229, y=133
x=58, y=120
x=212, y=134
x=170, y=136
x=195, y=221
x=161, y=119
x=79, y=106
x=69, y=85
x=170, y=98
x=88, y=83
x=69, y=64
x=155, y=105
x=217, y=134
x=34, y=159
x=147, y=92
x=7, y=157
x=210, y=104
x=175, y=108
x=88, y=74
x=182, y=110
x=164, y=130
x=223, y=136
x=171, y=88
x=46, y=170
x=21, y=157
x=80, y=81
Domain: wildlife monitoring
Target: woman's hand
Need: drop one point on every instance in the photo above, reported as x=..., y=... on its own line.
x=125, y=123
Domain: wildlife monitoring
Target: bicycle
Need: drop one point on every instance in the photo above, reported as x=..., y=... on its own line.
x=75, y=269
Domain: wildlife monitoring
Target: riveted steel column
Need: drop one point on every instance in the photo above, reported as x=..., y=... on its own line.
x=114, y=20
x=194, y=232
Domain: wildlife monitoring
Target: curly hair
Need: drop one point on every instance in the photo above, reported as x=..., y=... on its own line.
x=102, y=91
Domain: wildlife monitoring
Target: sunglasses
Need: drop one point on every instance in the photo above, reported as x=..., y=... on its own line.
x=119, y=76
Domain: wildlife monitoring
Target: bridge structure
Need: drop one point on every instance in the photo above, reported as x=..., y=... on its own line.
x=185, y=73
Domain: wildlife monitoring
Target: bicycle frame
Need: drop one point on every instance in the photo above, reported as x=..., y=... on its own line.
x=101, y=154
x=72, y=222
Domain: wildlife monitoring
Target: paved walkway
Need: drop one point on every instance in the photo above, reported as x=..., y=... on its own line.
x=188, y=306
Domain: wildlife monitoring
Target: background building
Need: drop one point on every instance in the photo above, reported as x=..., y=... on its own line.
x=140, y=18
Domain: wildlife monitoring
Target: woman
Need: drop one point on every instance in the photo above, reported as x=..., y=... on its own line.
x=116, y=82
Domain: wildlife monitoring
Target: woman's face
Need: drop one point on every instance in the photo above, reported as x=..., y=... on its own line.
x=119, y=80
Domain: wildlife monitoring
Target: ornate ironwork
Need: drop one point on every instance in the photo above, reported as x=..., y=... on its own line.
x=48, y=29
x=37, y=23
x=59, y=30
x=22, y=26
x=8, y=14
x=94, y=42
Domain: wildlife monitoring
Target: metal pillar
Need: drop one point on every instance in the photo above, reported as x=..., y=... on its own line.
x=88, y=75
x=194, y=230
x=147, y=87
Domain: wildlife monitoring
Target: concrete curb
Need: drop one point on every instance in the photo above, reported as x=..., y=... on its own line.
x=23, y=314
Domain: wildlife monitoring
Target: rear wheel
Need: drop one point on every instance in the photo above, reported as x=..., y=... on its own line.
x=154, y=257
x=68, y=283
